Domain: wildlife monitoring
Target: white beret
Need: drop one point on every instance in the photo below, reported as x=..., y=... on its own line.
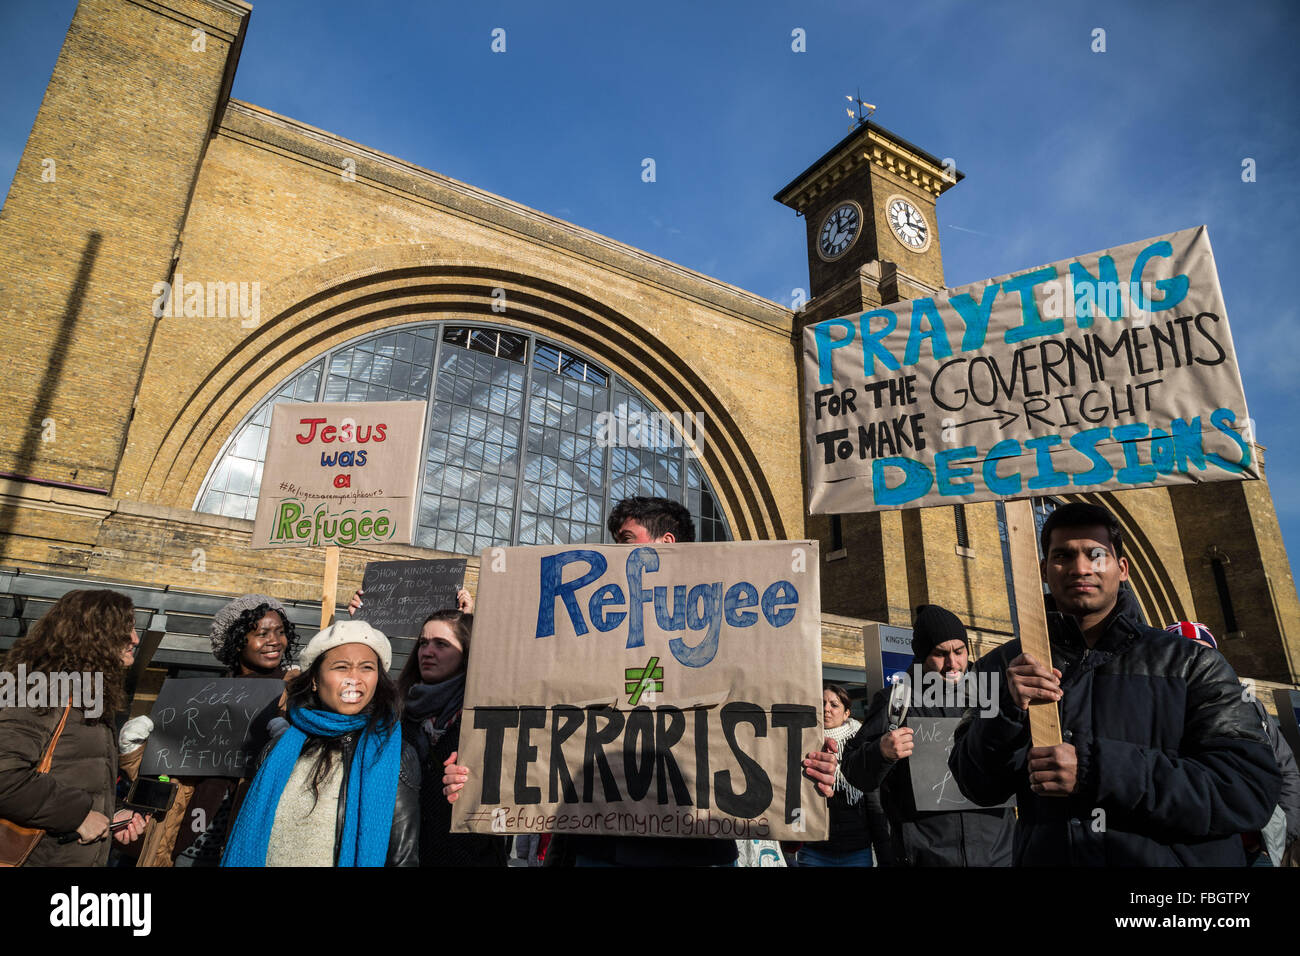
x=347, y=632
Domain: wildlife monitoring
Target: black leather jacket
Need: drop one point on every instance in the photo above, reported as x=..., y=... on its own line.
x=404, y=838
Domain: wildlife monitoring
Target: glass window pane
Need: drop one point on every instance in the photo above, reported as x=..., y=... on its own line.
x=476, y=421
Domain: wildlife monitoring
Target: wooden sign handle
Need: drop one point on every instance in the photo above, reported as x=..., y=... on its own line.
x=1031, y=615
x=329, y=586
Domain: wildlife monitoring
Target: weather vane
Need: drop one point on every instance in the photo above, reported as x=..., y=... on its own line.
x=859, y=117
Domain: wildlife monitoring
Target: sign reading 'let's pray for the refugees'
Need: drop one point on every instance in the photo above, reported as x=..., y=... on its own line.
x=1110, y=371
x=654, y=690
x=339, y=473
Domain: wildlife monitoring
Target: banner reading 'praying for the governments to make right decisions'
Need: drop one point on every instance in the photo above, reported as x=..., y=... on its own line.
x=1110, y=371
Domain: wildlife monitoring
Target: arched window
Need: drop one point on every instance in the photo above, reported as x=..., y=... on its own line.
x=513, y=451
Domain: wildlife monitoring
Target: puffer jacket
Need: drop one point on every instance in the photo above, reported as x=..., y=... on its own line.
x=1172, y=764
x=949, y=838
x=82, y=777
x=1286, y=764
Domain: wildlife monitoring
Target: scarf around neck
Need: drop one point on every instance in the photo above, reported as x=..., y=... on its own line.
x=434, y=708
x=841, y=735
x=371, y=791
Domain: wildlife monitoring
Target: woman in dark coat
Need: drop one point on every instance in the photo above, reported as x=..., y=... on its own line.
x=850, y=834
x=432, y=684
x=90, y=634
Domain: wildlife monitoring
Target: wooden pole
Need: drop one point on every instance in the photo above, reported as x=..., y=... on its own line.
x=1031, y=615
x=329, y=586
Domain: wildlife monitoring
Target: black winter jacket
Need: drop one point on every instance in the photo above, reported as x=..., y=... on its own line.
x=1172, y=764
x=438, y=845
x=954, y=838
x=1286, y=763
x=850, y=829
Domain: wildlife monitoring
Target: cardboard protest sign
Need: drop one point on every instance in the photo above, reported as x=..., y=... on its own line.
x=339, y=473
x=1110, y=371
x=399, y=595
x=933, y=787
x=209, y=727
x=653, y=690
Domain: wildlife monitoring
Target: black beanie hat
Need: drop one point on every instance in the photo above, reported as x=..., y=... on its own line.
x=935, y=625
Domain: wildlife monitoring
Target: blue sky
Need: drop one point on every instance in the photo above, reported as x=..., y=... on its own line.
x=1065, y=150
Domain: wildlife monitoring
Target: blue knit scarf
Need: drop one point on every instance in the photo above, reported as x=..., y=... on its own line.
x=372, y=791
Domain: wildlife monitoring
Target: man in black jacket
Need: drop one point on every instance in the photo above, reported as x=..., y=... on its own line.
x=878, y=757
x=1163, y=762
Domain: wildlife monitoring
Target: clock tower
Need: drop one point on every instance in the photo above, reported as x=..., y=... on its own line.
x=869, y=205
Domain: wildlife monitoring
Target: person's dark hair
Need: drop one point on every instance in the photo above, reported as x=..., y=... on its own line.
x=842, y=694
x=462, y=625
x=84, y=632
x=236, y=637
x=659, y=516
x=382, y=714
x=1078, y=514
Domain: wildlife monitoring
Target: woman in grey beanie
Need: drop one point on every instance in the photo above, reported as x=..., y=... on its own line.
x=253, y=637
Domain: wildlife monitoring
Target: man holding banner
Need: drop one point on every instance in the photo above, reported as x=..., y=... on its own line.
x=1163, y=763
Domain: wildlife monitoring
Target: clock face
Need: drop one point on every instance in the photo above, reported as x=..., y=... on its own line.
x=908, y=223
x=838, y=231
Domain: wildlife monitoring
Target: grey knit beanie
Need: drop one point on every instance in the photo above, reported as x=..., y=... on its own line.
x=229, y=614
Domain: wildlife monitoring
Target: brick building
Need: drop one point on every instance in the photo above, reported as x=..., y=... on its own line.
x=308, y=267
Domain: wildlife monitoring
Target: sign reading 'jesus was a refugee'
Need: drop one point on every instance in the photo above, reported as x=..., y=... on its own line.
x=339, y=474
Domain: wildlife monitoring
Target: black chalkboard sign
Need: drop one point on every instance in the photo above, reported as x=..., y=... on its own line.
x=933, y=786
x=210, y=727
x=399, y=595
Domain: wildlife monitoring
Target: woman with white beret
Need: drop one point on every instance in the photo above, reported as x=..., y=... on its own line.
x=339, y=787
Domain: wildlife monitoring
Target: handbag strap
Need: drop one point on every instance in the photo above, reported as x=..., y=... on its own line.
x=46, y=760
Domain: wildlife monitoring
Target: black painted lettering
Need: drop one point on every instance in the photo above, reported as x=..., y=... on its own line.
x=757, y=795
x=593, y=757
x=530, y=718
x=494, y=720
x=827, y=440
x=795, y=718
x=565, y=721
x=1033, y=409
x=1200, y=327
x=702, y=758
x=670, y=724
x=639, y=752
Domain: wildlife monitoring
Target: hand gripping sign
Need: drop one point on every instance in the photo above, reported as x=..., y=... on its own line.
x=651, y=690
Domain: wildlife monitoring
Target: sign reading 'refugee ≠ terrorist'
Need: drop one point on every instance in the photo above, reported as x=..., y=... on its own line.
x=653, y=690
